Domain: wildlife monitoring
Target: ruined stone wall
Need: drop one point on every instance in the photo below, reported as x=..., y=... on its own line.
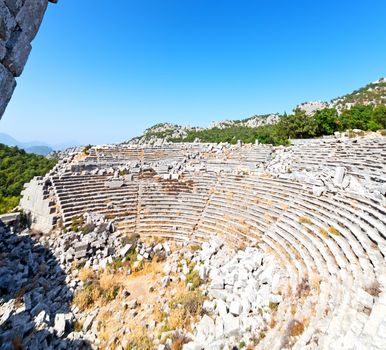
x=19, y=22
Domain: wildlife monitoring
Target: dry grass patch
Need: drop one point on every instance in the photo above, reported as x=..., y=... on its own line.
x=138, y=338
x=304, y=220
x=153, y=267
x=86, y=297
x=178, y=342
x=195, y=247
x=86, y=274
x=99, y=290
x=185, y=308
x=323, y=232
x=333, y=231
x=296, y=328
x=374, y=289
x=303, y=289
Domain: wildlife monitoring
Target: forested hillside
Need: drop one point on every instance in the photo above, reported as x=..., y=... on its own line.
x=16, y=168
x=364, y=109
x=297, y=125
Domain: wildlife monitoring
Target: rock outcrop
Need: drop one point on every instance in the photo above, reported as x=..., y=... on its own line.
x=19, y=23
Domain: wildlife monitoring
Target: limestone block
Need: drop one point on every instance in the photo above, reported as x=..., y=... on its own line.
x=235, y=308
x=60, y=324
x=205, y=330
x=7, y=22
x=221, y=308
x=339, y=175
x=123, y=252
x=18, y=50
x=80, y=246
x=30, y=17
x=231, y=325
x=365, y=299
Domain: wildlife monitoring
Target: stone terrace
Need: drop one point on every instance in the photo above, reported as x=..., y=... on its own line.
x=332, y=246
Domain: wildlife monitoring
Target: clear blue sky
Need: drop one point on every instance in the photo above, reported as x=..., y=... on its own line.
x=103, y=71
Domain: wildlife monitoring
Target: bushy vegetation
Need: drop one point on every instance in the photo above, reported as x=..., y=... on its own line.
x=16, y=168
x=265, y=134
x=297, y=125
x=86, y=149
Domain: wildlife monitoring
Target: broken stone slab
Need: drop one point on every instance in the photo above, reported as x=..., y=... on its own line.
x=217, y=283
x=81, y=254
x=42, y=319
x=339, y=175
x=192, y=346
x=89, y=320
x=231, y=325
x=365, y=299
x=167, y=248
x=221, y=307
x=123, y=252
x=79, y=246
x=30, y=17
x=7, y=86
x=235, y=308
x=208, y=306
x=205, y=330
x=218, y=294
x=132, y=304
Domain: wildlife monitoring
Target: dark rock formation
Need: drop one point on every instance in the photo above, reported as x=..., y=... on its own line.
x=19, y=22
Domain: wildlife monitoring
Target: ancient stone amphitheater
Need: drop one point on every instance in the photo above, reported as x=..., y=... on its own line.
x=317, y=207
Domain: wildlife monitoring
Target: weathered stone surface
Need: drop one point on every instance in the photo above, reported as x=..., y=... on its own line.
x=7, y=85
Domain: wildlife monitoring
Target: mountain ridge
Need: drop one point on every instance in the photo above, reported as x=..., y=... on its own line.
x=37, y=147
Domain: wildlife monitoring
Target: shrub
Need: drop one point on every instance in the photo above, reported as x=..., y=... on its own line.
x=193, y=278
x=87, y=149
x=76, y=223
x=195, y=247
x=273, y=306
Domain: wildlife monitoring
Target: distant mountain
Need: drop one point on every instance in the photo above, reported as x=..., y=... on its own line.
x=5, y=139
x=36, y=147
x=40, y=150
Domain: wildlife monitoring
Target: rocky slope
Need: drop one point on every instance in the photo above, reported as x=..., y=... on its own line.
x=99, y=289
x=372, y=94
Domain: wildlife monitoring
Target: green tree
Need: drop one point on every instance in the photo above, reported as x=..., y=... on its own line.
x=16, y=168
x=326, y=120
